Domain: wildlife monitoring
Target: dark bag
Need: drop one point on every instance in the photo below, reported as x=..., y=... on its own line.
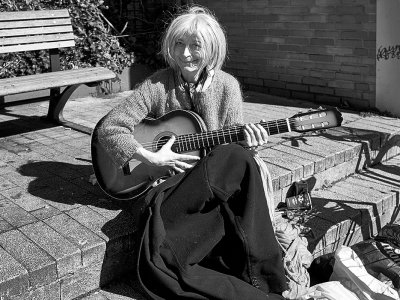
x=378, y=258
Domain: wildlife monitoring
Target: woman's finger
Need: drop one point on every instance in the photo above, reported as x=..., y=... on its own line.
x=170, y=142
x=250, y=138
x=257, y=135
x=183, y=165
x=177, y=169
x=187, y=157
x=264, y=133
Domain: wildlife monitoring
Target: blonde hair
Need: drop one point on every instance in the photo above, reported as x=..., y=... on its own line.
x=201, y=22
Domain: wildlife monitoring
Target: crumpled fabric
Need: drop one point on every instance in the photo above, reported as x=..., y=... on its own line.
x=350, y=271
x=267, y=185
x=297, y=259
x=331, y=290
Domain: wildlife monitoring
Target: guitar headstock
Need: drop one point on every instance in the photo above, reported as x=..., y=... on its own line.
x=316, y=120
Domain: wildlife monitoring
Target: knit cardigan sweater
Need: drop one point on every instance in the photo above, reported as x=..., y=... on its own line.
x=219, y=105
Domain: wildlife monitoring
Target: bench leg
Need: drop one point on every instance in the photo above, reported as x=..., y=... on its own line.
x=58, y=101
x=56, y=107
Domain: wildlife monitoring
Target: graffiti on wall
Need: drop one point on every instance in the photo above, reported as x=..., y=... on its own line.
x=390, y=52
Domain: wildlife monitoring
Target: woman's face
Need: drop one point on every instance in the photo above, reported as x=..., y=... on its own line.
x=187, y=54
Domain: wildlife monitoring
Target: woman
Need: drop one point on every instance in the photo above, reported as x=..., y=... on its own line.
x=207, y=231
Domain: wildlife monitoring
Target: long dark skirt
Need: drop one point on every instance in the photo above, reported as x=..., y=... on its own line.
x=208, y=235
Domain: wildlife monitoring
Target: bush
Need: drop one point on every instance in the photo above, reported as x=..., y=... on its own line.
x=95, y=46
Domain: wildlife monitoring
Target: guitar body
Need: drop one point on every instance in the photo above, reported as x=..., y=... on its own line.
x=136, y=179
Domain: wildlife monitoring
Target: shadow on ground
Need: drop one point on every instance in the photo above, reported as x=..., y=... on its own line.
x=19, y=124
x=65, y=187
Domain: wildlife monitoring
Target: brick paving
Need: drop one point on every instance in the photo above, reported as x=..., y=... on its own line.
x=61, y=237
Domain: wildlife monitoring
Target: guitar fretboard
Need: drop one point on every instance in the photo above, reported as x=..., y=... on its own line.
x=195, y=141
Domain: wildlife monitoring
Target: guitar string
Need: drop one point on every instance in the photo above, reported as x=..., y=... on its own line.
x=214, y=133
x=218, y=133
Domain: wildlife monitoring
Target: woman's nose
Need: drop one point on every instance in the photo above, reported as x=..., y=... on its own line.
x=186, y=51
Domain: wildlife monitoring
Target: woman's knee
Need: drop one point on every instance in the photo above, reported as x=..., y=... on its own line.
x=232, y=153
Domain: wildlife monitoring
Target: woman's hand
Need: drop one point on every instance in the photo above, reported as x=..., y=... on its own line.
x=165, y=157
x=255, y=135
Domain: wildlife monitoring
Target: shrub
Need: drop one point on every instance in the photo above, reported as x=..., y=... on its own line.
x=95, y=45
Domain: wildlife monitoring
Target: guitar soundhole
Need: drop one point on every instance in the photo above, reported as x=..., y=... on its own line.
x=161, y=139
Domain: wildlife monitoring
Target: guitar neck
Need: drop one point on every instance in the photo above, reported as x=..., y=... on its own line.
x=195, y=141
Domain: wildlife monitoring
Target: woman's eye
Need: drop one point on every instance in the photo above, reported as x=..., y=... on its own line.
x=179, y=43
x=196, y=47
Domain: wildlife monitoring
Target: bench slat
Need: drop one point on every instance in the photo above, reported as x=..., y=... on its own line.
x=31, y=79
x=38, y=46
x=34, y=23
x=34, y=14
x=37, y=39
x=44, y=81
x=33, y=31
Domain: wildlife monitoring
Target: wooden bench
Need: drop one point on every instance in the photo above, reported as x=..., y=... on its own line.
x=45, y=30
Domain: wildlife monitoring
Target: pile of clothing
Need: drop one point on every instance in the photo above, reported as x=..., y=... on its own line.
x=369, y=270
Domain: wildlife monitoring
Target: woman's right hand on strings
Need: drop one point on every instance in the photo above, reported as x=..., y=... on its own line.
x=165, y=157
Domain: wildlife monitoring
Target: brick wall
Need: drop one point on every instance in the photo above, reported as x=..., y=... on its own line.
x=319, y=50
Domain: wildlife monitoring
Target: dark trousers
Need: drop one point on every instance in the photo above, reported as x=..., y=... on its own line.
x=208, y=234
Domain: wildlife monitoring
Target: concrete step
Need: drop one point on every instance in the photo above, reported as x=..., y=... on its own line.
x=355, y=208
x=59, y=236
x=362, y=141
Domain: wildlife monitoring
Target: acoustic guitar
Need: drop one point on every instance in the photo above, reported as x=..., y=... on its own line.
x=136, y=178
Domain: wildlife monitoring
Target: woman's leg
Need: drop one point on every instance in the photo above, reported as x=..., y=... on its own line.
x=211, y=233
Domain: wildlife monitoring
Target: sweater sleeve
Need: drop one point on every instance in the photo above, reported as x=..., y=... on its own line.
x=115, y=131
x=235, y=103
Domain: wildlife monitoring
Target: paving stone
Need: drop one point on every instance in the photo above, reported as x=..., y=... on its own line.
x=5, y=184
x=319, y=161
x=92, y=247
x=281, y=177
x=35, y=168
x=14, y=278
x=25, y=182
x=84, y=183
x=332, y=207
x=367, y=196
x=343, y=152
x=46, y=292
x=329, y=176
x=89, y=218
x=122, y=291
x=373, y=123
x=390, y=203
x=40, y=266
x=7, y=156
x=23, y=199
x=282, y=160
x=67, y=255
x=106, y=208
x=13, y=214
x=5, y=226
x=46, y=212
x=80, y=142
x=95, y=296
x=366, y=138
x=81, y=281
x=64, y=196
x=65, y=171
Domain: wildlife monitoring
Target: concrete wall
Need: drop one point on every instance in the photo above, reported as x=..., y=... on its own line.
x=320, y=50
x=388, y=56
